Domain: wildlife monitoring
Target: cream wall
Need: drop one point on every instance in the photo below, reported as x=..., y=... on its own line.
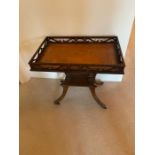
x=39, y=18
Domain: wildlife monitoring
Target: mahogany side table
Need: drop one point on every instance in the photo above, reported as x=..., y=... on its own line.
x=80, y=58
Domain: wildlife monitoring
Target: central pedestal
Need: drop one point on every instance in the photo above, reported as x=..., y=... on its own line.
x=82, y=79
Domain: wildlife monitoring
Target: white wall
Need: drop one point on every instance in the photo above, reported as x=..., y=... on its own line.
x=39, y=18
x=23, y=71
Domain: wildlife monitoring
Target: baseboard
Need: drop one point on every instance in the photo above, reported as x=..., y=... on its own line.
x=109, y=77
x=54, y=75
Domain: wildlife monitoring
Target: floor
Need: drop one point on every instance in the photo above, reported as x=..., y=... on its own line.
x=78, y=126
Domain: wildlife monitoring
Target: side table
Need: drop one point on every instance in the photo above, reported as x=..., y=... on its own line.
x=80, y=58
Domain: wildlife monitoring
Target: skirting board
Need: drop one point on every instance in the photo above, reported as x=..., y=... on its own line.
x=54, y=75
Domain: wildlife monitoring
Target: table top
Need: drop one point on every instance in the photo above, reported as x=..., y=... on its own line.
x=101, y=54
x=79, y=53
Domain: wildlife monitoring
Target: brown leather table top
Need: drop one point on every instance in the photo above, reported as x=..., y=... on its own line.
x=79, y=53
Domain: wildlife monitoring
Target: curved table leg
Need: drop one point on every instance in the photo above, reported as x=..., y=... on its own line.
x=92, y=89
x=65, y=88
